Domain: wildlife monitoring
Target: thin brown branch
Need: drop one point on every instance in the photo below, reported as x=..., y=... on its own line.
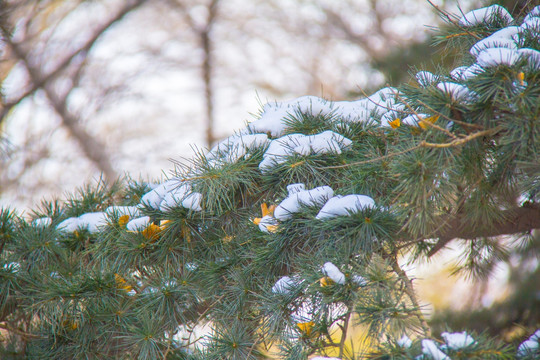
x=409, y=290
x=40, y=80
x=452, y=21
x=344, y=332
x=459, y=142
x=92, y=149
x=19, y=332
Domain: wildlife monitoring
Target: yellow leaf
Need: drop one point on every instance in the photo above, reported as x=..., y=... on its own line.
x=326, y=281
x=395, y=123
x=121, y=283
x=265, y=210
x=123, y=220
x=423, y=122
x=151, y=232
x=306, y=327
x=521, y=78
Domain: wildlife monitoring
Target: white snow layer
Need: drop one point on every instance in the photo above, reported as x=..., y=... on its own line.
x=237, y=146
x=458, y=92
x=153, y=198
x=530, y=345
x=292, y=203
x=429, y=348
x=174, y=197
x=173, y=193
x=138, y=224
x=359, y=280
x=426, y=78
x=325, y=142
x=456, y=341
x=535, y=12
x=485, y=15
x=532, y=56
x=284, y=285
x=497, y=56
x=90, y=221
x=333, y=273
x=345, y=205
x=491, y=43
x=193, y=201
x=405, y=342
x=273, y=115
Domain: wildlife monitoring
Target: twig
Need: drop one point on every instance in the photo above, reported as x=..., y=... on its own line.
x=20, y=332
x=344, y=332
x=409, y=289
x=461, y=141
x=420, y=119
x=452, y=21
x=40, y=81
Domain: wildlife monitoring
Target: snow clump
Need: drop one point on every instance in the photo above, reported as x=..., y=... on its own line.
x=92, y=222
x=331, y=270
x=457, y=341
x=485, y=15
x=284, y=285
x=529, y=346
x=298, y=197
x=345, y=205
x=323, y=143
x=429, y=348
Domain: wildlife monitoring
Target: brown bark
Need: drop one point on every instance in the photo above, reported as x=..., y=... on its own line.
x=518, y=220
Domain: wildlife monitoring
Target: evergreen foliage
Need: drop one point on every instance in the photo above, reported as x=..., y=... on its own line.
x=203, y=266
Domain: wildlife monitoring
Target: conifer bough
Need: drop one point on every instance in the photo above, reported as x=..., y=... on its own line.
x=285, y=240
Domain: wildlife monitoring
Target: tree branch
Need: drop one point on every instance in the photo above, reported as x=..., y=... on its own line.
x=519, y=220
x=92, y=149
x=40, y=81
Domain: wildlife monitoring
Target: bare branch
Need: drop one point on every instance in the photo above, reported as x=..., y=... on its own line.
x=41, y=80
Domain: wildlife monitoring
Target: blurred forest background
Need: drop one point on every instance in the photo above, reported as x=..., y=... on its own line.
x=115, y=87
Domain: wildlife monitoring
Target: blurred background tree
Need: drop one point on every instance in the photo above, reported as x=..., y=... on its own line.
x=92, y=87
